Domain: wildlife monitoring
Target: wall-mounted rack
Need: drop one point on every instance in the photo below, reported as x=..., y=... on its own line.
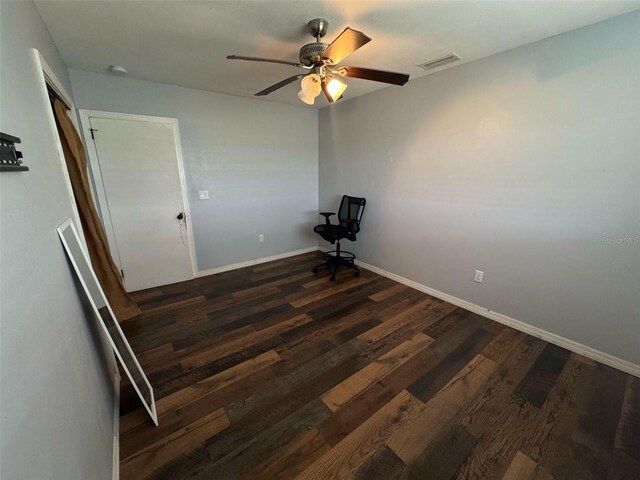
x=10, y=158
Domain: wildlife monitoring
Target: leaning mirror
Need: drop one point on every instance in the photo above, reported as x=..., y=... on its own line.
x=82, y=266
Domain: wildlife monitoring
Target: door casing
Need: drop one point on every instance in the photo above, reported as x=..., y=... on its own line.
x=101, y=195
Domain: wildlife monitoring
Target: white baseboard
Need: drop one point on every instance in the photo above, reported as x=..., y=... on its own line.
x=249, y=263
x=592, y=353
x=571, y=345
x=116, y=427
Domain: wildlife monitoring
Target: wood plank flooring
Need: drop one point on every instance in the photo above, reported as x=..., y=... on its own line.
x=271, y=372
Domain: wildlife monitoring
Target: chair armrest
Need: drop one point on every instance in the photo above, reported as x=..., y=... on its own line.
x=326, y=216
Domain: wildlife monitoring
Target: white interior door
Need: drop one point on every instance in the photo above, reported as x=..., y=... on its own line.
x=141, y=199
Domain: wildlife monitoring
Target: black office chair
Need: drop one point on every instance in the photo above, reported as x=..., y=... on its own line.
x=349, y=217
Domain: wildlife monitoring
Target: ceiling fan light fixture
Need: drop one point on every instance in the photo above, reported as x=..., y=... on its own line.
x=308, y=99
x=320, y=60
x=334, y=88
x=309, y=88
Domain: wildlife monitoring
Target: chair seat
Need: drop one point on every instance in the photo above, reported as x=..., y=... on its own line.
x=333, y=233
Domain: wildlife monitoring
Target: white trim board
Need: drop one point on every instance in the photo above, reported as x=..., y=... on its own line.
x=91, y=294
x=116, y=427
x=550, y=337
x=249, y=263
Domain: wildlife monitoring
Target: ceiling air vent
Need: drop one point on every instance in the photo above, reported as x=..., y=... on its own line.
x=439, y=62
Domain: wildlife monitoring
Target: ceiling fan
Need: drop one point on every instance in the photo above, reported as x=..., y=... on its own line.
x=321, y=60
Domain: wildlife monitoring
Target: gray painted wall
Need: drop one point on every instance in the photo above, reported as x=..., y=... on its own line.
x=57, y=391
x=519, y=165
x=259, y=161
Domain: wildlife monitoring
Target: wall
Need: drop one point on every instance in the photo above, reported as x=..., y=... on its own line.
x=57, y=392
x=521, y=165
x=259, y=161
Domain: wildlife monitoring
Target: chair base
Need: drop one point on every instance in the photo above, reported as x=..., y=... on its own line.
x=336, y=259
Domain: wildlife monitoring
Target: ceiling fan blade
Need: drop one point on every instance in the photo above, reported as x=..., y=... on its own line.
x=278, y=85
x=266, y=60
x=345, y=44
x=374, y=75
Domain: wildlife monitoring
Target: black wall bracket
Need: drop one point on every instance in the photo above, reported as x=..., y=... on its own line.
x=10, y=158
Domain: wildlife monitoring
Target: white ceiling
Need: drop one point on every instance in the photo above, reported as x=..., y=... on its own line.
x=185, y=43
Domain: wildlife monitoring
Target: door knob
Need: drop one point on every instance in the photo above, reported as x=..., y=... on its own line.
x=180, y=216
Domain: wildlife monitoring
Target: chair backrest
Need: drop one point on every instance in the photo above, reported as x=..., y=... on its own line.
x=351, y=208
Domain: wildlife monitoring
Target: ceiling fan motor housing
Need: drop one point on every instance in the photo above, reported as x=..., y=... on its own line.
x=311, y=53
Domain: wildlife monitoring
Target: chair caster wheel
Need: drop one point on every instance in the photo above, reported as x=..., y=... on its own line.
x=332, y=278
x=357, y=274
x=315, y=270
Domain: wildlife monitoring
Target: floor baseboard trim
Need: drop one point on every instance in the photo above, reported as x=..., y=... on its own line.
x=550, y=337
x=257, y=261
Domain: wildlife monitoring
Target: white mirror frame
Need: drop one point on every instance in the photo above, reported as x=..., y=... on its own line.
x=62, y=229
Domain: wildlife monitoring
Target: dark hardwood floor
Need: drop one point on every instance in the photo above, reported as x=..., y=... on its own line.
x=272, y=372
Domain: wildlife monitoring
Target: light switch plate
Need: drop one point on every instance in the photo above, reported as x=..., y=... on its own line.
x=478, y=276
x=203, y=194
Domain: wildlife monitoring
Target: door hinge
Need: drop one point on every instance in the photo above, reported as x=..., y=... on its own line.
x=93, y=130
x=122, y=273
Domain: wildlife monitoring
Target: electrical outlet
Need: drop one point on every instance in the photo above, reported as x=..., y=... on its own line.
x=261, y=238
x=203, y=194
x=478, y=276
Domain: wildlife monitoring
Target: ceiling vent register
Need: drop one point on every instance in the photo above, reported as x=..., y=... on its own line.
x=439, y=62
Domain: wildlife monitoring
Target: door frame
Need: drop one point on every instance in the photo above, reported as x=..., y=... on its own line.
x=46, y=78
x=94, y=166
